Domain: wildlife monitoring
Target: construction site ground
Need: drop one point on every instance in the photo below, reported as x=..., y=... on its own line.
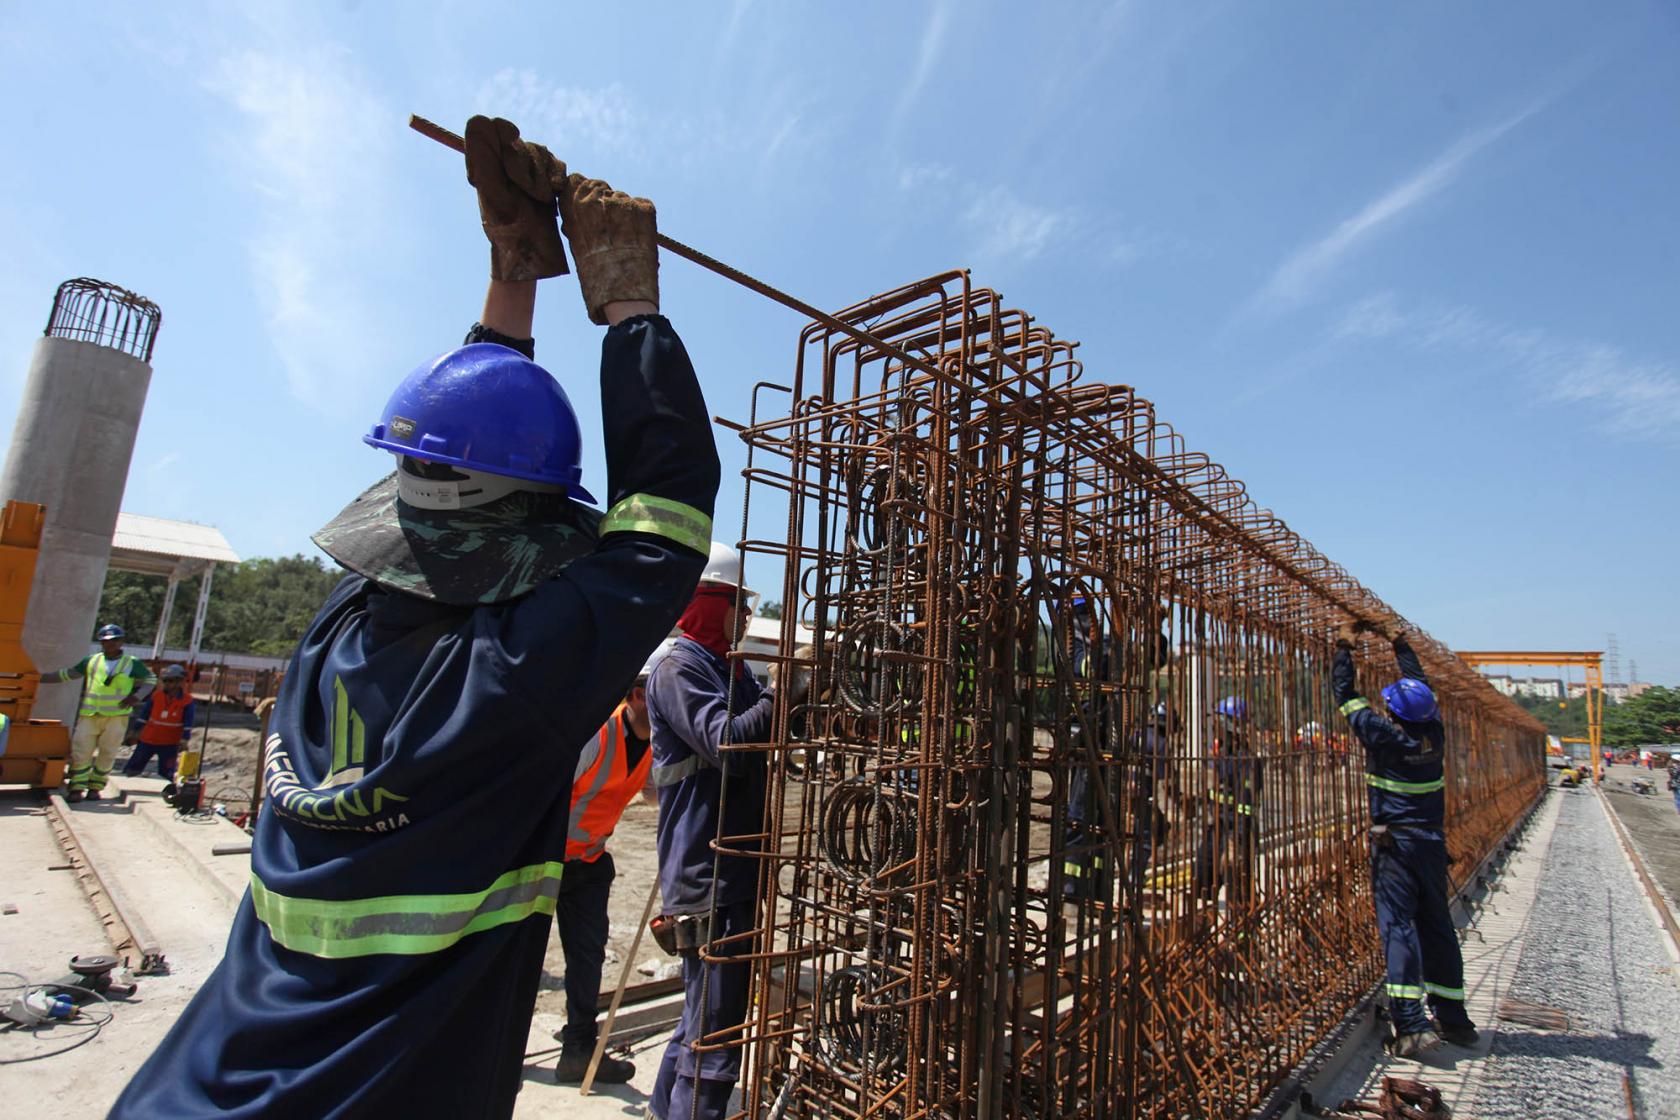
x=1565, y=926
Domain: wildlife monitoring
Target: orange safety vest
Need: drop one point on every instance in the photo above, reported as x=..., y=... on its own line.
x=163, y=729
x=603, y=787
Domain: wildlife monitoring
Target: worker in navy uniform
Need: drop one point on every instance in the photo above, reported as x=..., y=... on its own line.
x=1406, y=780
x=1085, y=865
x=1230, y=840
x=613, y=768
x=420, y=759
x=700, y=700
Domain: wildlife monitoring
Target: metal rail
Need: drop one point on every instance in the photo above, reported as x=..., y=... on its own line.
x=129, y=936
x=1665, y=913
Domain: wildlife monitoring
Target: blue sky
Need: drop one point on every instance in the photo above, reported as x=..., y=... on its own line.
x=1409, y=270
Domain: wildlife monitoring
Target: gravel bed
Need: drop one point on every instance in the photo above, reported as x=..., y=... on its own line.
x=1592, y=949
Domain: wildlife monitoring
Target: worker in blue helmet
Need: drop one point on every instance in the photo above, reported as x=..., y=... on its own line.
x=419, y=765
x=1230, y=837
x=1405, y=777
x=113, y=682
x=1102, y=666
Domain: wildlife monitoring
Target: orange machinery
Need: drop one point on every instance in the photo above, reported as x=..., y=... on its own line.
x=38, y=750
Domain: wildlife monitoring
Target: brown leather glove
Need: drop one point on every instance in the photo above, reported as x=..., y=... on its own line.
x=614, y=241
x=517, y=182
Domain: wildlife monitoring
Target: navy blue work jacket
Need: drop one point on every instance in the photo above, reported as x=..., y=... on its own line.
x=385, y=960
x=690, y=714
x=1404, y=770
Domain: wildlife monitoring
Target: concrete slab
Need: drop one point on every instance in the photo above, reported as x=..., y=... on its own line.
x=193, y=838
x=187, y=915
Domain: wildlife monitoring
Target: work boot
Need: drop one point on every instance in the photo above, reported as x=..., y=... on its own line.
x=573, y=1064
x=1459, y=1034
x=75, y=795
x=93, y=795
x=1413, y=1045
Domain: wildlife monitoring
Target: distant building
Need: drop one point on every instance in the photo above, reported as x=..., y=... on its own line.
x=1502, y=683
x=1616, y=693
x=1541, y=688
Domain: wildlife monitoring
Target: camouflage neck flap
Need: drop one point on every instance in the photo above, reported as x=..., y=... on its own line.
x=463, y=557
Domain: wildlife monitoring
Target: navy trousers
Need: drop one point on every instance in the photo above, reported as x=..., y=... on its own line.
x=1226, y=858
x=1409, y=882
x=143, y=752
x=580, y=914
x=676, y=1093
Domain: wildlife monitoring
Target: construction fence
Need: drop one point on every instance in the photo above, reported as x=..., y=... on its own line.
x=1013, y=862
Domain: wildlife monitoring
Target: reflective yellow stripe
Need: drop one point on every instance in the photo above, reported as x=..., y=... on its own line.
x=645, y=513
x=1394, y=786
x=1403, y=991
x=1444, y=993
x=403, y=924
x=1357, y=704
x=1227, y=799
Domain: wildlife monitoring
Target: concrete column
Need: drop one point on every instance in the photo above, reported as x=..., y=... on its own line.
x=70, y=451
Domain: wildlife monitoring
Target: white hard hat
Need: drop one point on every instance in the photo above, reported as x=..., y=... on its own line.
x=654, y=659
x=723, y=566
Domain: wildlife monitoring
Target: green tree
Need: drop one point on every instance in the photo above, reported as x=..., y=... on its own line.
x=260, y=606
x=770, y=608
x=1564, y=719
x=1651, y=717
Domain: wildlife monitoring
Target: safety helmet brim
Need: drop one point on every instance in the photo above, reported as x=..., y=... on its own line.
x=464, y=557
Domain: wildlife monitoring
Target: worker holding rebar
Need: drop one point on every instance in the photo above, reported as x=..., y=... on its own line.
x=113, y=683
x=699, y=701
x=613, y=768
x=422, y=748
x=1406, y=780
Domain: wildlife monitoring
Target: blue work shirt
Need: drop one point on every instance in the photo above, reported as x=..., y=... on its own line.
x=419, y=767
x=690, y=712
x=1404, y=771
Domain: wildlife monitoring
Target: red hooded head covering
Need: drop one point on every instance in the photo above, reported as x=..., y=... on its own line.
x=706, y=619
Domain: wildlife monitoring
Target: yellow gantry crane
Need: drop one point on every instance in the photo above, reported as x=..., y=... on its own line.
x=1592, y=661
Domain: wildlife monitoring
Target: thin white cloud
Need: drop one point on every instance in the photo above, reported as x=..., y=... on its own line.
x=1632, y=398
x=923, y=176
x=314, y=151
x=998, y=225
x=928, y=50
x=1305, y=270
x=562, y=117
x=732, y=27
x=1006, y=226
x=164, y=462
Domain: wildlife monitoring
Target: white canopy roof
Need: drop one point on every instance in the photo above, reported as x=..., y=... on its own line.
x=157, y=546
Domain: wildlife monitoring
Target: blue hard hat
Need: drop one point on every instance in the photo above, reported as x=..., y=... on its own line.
x=486, y=408
x=110, y=630
x=1411, y=700
x=1233, y=706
